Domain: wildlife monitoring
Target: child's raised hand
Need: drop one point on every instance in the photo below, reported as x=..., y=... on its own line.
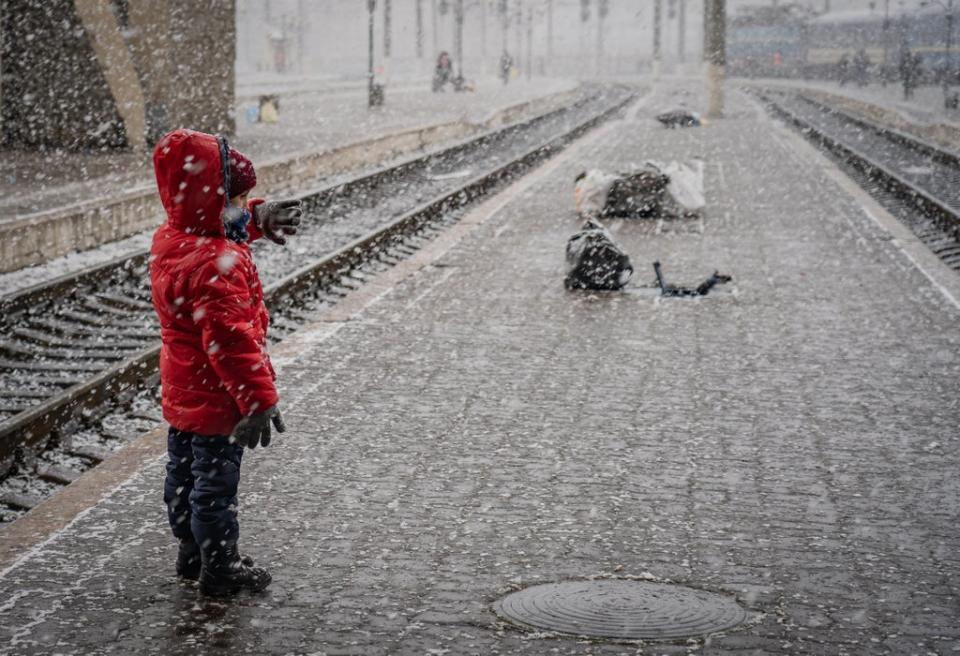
x=278, y=216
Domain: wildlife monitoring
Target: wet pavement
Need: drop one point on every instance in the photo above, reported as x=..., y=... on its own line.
x=473, y=428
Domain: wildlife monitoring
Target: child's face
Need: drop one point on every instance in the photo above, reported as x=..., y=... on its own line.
x=241, y=200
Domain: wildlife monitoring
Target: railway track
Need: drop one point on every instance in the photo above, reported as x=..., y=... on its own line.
x=78, y=355
x=916, y=181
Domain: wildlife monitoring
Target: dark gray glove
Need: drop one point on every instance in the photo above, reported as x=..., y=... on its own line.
x=276, y=216
x=255, y=429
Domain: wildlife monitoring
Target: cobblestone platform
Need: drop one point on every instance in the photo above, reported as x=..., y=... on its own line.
x=472, y=428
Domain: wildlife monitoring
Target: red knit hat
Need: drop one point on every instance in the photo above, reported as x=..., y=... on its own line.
x=242, y=176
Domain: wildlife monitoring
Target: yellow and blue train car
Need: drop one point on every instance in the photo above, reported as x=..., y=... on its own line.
x=765, y=50
x=812, y=46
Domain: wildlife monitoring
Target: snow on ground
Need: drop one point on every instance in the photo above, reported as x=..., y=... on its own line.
x=413, y=110
x=17, y=280
x=925, y=108
x=310, y=121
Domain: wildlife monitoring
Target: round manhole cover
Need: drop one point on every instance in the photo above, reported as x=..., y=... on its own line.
x=617, y=608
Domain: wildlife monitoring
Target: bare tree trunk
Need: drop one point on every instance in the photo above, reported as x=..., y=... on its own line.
x=299, y=27
x=599, y=44
x=371, y=7
x=433, y=27
x=549, y=34
x=458, y=35
x=682, y=30
x=518, y=23
x=386, y=28
x=483, y=35
x=657, y=20
x=529, y=42
x=505, y=22
x=419, y=29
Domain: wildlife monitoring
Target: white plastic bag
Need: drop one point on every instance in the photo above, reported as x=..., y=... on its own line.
x=590, y=192
x=686, y=185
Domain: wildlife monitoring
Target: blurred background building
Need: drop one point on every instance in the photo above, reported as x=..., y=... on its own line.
x=117, y=73
x=566, y=37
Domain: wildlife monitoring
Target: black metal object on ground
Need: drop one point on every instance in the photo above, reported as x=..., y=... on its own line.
x=622, y=610
x=114, y=303
x=716, y=278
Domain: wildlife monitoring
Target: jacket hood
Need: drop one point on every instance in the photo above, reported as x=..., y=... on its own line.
x=191, y=179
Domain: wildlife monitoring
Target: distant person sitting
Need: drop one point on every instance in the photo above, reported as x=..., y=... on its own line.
x=443, y=73
x=506, y=66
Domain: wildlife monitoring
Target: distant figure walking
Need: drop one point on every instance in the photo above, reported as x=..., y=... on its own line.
x=443, y=73
x=909, y=70
x=506, y=66
x=861, y=67
x=843, y=69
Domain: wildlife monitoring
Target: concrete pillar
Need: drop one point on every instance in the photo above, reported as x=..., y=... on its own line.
x=54, y=90
x=116, y=65
x=84, y=74
x=202, y=46
x=149, y=45
x=715, y=53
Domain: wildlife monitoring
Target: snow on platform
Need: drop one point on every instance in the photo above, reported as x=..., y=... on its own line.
x=924, y=114
x=319, y=120
x=469, y=427
x=55, y=204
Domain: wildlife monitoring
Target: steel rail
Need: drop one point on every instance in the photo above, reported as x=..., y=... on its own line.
x=44, y=422
x=937, y=210
x=22, y=300
x=933, y=151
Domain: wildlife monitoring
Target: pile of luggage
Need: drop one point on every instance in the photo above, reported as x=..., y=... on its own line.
x=595, y=262
x=653, y=190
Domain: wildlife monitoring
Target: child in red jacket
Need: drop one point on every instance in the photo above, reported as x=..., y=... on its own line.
x=218, y=390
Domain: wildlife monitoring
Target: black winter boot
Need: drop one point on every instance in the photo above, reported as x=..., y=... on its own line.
x=188, y=560
x=226, y=572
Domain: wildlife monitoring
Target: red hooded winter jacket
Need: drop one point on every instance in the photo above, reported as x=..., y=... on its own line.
x=214, y=367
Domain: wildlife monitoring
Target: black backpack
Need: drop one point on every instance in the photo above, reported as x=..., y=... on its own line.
x=594, y=261
x=638, y=194
x=680, y=118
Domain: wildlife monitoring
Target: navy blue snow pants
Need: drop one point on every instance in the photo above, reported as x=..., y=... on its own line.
x=201, y=488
